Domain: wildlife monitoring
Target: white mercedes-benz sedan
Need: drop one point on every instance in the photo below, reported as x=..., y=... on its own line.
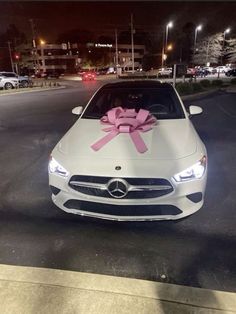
x=133, y=154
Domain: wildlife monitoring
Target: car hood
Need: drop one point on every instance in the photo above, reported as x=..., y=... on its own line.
x=169, y=139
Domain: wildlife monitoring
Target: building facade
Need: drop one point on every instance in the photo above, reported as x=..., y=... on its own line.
x=68, y=57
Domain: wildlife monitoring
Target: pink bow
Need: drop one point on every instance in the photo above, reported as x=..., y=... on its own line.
x=129, y=121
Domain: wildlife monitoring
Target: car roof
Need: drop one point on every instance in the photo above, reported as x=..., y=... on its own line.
x=138, y=84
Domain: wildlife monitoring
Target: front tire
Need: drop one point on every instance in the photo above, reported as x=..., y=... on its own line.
x=8, y=86
x=25, y=84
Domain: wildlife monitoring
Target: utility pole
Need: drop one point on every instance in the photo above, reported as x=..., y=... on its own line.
x=116, y=59
x=207, y=50
x=9, y=48
x=35, y=52
x=163, y=51
x=132, y=43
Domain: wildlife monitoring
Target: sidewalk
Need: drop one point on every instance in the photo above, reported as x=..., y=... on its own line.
x=28, y=290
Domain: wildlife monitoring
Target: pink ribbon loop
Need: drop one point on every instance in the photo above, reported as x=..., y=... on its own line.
x=121, y=120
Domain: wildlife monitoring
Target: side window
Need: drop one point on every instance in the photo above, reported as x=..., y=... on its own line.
x=11, y=74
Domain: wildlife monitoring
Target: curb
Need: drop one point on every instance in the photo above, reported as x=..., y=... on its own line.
x=33, y=91
x=199, y=95
x=146, y=290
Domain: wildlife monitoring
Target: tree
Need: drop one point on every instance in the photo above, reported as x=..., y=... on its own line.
x=184, y=43
x=209, y=49
x=16, y=38
x=230, y=51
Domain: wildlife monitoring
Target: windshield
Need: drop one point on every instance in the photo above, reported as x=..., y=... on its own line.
x=161, y=102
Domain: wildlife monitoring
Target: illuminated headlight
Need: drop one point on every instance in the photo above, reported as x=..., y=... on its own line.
x=191, y=173
x=55, y=167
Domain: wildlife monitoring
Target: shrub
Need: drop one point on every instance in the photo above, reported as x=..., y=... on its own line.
x=197, y=87
x=233, y=81
x=205, y=83
x=217, y=83
x=184, y=88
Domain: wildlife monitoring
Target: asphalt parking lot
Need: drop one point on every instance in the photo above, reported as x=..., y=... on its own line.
x=197, y=251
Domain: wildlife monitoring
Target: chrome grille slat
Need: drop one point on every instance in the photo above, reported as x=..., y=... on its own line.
x=89, y=185
x=149, y=187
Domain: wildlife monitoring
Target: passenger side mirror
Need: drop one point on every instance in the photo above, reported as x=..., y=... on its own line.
x=193, y=110
x=77, y=110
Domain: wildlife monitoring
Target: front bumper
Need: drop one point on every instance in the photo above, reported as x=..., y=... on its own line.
x=178, y=199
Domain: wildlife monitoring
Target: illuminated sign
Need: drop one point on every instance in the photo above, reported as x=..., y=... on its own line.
x=103, y=45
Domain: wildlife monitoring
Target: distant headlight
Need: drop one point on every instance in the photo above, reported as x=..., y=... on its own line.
x=55, y=167
x=191, y=173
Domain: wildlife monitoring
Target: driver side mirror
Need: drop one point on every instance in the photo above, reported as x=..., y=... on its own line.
x=77, y=110
x=193, y=110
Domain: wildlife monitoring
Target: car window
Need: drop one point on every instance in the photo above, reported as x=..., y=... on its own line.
x=161, y=102
x=7, y=74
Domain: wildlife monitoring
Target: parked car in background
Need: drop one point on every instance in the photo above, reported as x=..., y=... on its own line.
x=24, y=81
x=202, y=72
x=102, y=71
x=222, y=69
x=231, y=72
x=164, y=72
x=8, y=82
x=209, y=69
x=191, y=72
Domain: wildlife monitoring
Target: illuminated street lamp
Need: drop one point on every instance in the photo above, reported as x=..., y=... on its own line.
x=227, y=31
x=169, y=47
x=197, y=29
x=169, y=25
x=42, y=43
x=164, y=48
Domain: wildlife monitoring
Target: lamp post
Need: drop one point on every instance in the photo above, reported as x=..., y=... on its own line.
x=164, y=48
x=227, y=31
x=42, y=43
x=197, y=29
x=169, y=25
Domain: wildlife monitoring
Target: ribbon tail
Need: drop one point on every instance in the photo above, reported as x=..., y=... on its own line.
x=104, y=140
x=138, y=142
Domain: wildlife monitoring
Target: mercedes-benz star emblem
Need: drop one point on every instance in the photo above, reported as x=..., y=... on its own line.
x=117, y=188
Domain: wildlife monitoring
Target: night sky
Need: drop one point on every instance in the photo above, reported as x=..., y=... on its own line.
x=53, y=18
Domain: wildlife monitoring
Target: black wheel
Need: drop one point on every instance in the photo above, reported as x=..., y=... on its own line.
x=24, y=83
x=8, y=86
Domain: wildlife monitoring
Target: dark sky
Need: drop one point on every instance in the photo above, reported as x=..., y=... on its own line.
x=54, y=17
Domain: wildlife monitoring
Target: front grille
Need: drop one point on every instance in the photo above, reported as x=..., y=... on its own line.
x=130, y=210
x=97, y=186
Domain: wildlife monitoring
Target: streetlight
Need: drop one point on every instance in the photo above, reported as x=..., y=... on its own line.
x=169, y=25
x=42, y=43
x=169, y=47
x=197, y=29
x=164, y=48
x=227, y=31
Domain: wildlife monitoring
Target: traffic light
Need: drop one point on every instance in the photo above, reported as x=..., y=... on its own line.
x=17, y=56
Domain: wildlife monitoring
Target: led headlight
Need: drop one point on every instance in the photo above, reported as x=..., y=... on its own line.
x=191, y=173
x=55, y=167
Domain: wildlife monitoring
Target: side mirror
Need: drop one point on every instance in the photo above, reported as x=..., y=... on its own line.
x=77, y=110
x=194, y=110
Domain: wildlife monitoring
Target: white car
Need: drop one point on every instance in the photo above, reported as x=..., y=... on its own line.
x=222, y=69
x=164, y=72
x=109, y=167
x=8, y=82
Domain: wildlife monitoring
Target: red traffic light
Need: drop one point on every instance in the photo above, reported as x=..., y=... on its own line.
x=17, y=56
